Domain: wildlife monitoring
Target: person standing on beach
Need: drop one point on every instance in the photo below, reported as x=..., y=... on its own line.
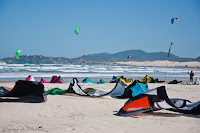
x=191, y=76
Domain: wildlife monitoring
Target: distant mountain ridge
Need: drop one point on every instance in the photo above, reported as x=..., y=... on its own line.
x=197, y=59
x=139, y=55
x=98, y=58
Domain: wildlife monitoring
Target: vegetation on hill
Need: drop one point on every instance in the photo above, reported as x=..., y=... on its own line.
x=100, y=58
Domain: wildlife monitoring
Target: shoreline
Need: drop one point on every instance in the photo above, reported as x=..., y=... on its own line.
x=129, y=69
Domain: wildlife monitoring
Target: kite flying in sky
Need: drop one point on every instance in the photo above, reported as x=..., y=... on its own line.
x=172, y=20
x=76, y=30
x=17, y=53
x=128, y=57
x=169, y=49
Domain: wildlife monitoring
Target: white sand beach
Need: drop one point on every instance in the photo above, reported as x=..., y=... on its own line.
x=191, y=64
x=58, y=40
x=77, y=114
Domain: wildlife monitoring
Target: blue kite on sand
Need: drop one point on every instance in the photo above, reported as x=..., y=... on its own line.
x=88, y=80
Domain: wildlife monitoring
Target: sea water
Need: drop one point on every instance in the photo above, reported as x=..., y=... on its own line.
x=14, y=72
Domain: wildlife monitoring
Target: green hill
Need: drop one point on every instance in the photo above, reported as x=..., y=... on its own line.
x=99, y=58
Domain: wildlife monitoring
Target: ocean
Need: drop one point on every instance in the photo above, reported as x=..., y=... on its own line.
x=14, y=72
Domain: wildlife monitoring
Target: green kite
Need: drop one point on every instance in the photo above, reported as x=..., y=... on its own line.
x=76, y=30
x=17, y=53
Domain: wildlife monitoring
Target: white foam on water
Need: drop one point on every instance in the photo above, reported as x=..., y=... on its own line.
x=68, y=70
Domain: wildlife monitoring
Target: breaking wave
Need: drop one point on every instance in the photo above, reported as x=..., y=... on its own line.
x=13, y=71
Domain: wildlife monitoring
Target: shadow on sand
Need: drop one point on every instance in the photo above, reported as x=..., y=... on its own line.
x=160, y=114
x=25, y=99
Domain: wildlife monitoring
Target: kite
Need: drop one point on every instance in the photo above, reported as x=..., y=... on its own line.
x=128, y=57
x=76, y=30
x=121, y=90
x=172, y=20
x=30, y=91
x=169, y=49
x=17, y=53
x=157, y=99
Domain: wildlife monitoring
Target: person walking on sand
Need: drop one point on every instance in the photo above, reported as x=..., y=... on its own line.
x=191, y=76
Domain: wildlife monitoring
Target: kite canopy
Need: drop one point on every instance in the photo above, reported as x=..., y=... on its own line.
x=75, y=88
x=44, y=81
x=128, y=57
x=55, y=91
x=157, y=99
x=124, y=80
x=76, y=30
x=54, y=79
x=134, y=89
x=32, y=90
x=119, y=91
x=17, y=53
x=88, y=80
x=147, y=79
x=172, y=20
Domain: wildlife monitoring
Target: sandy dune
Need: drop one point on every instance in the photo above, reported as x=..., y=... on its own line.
x=194, y=64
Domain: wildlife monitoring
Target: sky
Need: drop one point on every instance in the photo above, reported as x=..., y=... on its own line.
x=46, y=27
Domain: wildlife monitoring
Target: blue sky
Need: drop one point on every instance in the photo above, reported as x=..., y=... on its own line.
x=46, y=27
